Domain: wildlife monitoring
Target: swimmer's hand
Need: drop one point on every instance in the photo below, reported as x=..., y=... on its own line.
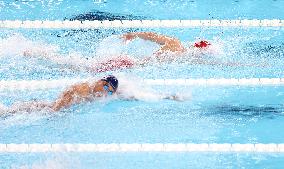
x=174, y=97
x=128, y=37
x=27, y=53
x=35, y=53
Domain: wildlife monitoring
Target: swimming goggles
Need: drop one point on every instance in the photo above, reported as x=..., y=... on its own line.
x=106, y=88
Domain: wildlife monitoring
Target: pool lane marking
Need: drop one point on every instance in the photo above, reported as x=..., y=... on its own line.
x=13, y=85
x=76, y=24
x=158, y=147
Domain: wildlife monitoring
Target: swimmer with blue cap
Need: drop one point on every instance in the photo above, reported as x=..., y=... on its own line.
x=78, y=93
x=111, y=81
x=83, y=92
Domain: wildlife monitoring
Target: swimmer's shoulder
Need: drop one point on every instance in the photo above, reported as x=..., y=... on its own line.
x=80, y=88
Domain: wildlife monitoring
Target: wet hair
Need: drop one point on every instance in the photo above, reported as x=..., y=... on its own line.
x=112, y=80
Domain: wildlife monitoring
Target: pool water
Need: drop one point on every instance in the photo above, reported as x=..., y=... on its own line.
x=151, y=9
x=229, y=114
x=259, y=50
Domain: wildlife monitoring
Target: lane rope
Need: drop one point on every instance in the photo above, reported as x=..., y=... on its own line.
x=57, y=24
x=159, y=147
x=13, y=85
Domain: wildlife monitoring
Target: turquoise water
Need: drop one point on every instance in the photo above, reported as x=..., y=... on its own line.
x=153, y=9
x=208, y=114
x=147, y=160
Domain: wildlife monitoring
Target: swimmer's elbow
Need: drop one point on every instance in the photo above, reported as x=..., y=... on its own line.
x=56, y=107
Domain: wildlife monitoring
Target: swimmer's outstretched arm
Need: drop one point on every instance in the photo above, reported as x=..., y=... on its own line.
x=168, y=43
x=151, y=36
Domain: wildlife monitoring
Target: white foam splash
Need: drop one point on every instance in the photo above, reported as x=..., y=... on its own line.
x=111, y=46
x=3, y=108
x=114, y=46
x=132, y=87
x=23, y=113
x=28, y=107
x=58, y=162
x=17, y=44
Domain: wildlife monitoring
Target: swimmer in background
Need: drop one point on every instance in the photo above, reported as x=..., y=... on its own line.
x=171, y=48
x=79, y=93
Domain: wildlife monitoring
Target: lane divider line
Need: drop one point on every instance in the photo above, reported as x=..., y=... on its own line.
x=57, y=24
x=158, y=147
x=13, y=85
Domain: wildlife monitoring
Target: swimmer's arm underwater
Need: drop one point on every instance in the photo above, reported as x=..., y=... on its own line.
x=229, y=63
x=159, y=96
x=174, y=97
x=79, y=64
x=64, y=61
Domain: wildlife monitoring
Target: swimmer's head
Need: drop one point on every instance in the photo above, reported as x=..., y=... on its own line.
x=202, y=44
x=112, y=81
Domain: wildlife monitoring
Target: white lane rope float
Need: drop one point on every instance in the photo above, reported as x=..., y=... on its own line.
x=14, y=85
x=57, y=24
x=136, y=147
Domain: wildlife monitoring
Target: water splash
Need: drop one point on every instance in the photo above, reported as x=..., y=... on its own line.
x=132, y=87
x=57, y=162
x=23, y=113
x=17, y=44
x=114, y=46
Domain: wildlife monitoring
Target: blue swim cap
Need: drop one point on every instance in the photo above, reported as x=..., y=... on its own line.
x=112, y=80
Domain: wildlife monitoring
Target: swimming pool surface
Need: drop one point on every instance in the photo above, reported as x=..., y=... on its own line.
x=213, y=114
x=151, y=9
